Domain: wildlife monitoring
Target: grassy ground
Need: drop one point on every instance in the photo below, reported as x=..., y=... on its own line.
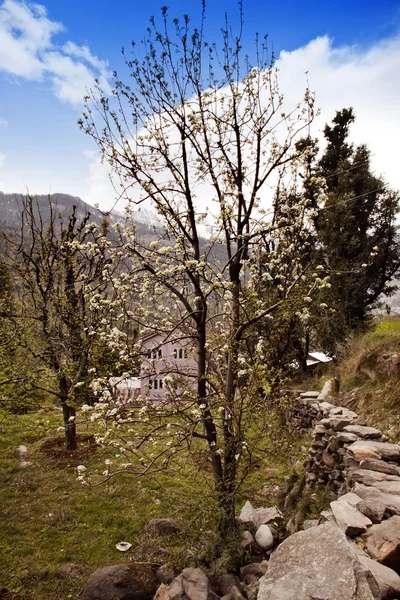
x=372, y=365
x=48, y=518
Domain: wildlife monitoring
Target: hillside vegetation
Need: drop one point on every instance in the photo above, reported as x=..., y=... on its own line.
x=371, y=367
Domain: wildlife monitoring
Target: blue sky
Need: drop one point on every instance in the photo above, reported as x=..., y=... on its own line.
x=50, y=51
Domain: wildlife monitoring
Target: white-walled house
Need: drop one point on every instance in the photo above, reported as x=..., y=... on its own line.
x=162, y=358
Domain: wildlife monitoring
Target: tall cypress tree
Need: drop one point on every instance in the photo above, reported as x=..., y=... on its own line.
x=357, y=225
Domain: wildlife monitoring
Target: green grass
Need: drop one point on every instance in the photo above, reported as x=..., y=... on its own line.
x=48, y=518
x=372, y=365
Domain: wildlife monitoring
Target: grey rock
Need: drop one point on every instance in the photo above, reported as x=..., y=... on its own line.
x=228, y=583
x=71, y=571
x=316, y=564
x=251, y=572
x=364, y=449
x=387, y=579
x=326, y=407
x=368, y=477
x=382, y=543
x=350, y=520
x=326, y=516
x=350, y=498
x=264, y=516
x=368, y=433
x=380, y=465
x=247, y=539
x=264, y=537
x=264, y=566
x=339, y=423
x=377, y=503
x=309, y=394
x=251, y=590
x=259, y=516
x=308, y=523
x=165, y=573
x=162, y=527
x=346, y=438
x=126, y=581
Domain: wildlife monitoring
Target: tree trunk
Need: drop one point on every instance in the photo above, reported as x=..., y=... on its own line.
x=69, y=417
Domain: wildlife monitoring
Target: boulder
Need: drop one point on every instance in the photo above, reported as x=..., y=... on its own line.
x=126, y=581
x=365, y=449
x=387, y=579
x=382, y=542
x=264, y=537
x=350, y=520
x=317, y=563
x=162, y=527
x=309, y=394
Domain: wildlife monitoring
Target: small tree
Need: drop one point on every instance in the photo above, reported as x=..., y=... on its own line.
x=177, y=132
x=54, y=262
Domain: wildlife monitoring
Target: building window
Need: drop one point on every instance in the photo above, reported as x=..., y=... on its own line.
x=180, y=353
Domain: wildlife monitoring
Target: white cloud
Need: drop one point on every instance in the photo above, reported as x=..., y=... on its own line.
x=366, y=79
x=28, y=51
x=2, y=159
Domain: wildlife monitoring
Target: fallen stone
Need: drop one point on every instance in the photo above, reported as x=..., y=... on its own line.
x=317, y=564
x=264, y=537
x=162, y=527
x=350, y=520
x=309, y=394
x=368, y=433
x=308, y=523
x=387, y=579
x=382, y=543
x=127, y=581
x=364, y=449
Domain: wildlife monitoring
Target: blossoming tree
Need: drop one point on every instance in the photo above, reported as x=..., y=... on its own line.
x=202, y=135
